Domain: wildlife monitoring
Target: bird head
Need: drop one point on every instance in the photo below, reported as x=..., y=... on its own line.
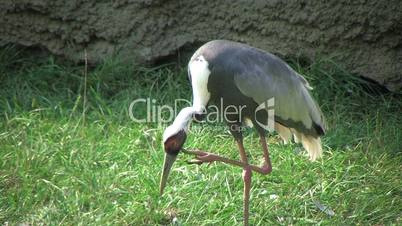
x=174, y=137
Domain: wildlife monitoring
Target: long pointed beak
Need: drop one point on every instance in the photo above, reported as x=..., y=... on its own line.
x=167, y=165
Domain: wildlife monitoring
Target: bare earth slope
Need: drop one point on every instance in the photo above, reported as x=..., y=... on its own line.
x=366, y=36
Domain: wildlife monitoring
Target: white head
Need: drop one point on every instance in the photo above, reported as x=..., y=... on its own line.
x=174, y=137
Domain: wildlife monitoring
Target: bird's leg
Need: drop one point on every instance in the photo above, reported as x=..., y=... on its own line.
x=206, y=157
x=267, y=166
x=202, y=157
x=247, y=173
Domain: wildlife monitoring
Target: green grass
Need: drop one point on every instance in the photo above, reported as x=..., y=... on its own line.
x=65, y=163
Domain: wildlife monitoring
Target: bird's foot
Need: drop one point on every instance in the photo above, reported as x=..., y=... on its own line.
x=202, y=157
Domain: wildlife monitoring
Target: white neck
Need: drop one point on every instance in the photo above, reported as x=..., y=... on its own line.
x=181, y=122
x=199, y=71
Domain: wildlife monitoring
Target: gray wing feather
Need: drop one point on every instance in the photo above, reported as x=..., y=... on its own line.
x=263, y=76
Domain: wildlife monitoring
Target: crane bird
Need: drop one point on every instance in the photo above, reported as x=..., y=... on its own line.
x=235, y=74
